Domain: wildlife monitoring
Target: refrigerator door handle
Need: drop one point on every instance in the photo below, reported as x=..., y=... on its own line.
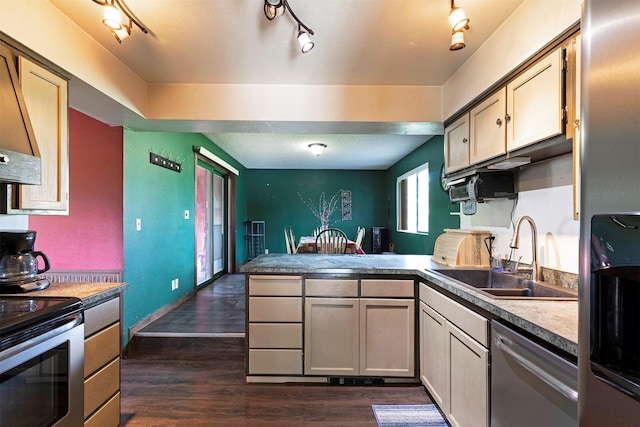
x=536, y=370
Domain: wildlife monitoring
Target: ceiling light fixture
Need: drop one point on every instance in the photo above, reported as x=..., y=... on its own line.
x=112, y=18
x=457, y=40
x=275, y=8
x=459, y=22
x=317, y=148
x=457, y=18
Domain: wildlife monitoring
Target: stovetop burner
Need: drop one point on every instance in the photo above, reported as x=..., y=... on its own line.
x=20, y=287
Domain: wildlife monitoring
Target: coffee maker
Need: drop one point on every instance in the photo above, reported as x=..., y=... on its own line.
x=19, y=267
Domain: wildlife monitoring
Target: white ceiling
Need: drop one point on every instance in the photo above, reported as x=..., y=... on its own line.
x=357, y=42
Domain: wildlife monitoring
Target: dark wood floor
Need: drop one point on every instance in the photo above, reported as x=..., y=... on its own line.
x=199, y=381
x=216, y=309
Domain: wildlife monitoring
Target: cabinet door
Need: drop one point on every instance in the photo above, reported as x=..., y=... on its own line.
x=432, y=351
x=331, y=341
x=456, y=145
x=467, y=377
x=534, y=103
x=387, y=337
x=45, y=95
x=487, y=128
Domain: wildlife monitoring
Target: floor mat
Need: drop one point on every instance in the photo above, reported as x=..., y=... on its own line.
x=408, y=416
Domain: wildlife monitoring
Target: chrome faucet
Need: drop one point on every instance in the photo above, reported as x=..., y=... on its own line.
x=535, y=266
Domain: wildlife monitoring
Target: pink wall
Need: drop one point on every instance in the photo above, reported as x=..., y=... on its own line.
x=90, y=237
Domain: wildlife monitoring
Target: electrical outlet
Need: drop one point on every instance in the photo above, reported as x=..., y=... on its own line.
x=174, y=284
x=138, y=224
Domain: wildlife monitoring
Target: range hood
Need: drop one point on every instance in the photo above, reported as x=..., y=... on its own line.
x=19, y=154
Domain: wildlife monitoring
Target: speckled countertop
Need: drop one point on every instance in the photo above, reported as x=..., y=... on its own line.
x=89, y=293
x=555, y=322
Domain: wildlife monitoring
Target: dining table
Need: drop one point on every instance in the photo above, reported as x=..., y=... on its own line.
x=307, y=245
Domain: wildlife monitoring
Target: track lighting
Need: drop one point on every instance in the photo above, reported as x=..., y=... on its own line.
x=457, y=18
x=317, y=148
x=112, y=18
x=275, y=8
x=459, y=22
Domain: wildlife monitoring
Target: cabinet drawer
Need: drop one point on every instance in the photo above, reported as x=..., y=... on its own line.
x=101, y=348
x=331, y=288
x=387, y=288
x=274, y=309
x=275, y=285
x=281, y=362
x=107, y=416
x=275, y=335
x=476, y=326
x=101, y=386
x=101, y=316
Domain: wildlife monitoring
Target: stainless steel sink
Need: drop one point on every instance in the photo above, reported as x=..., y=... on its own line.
x=508, y=286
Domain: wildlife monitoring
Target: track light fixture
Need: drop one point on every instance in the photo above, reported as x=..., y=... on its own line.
x=275, y=8
x=112, y=18
x=459, y=22
x=457, y=18
x=457, y=40
x=317, y=148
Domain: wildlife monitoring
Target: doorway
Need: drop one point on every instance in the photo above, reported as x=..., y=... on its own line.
x=211, y=223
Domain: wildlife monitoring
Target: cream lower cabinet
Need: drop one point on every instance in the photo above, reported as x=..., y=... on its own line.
x=102, y=364
x=275, y=325
x=347, y=335
x=454, y=358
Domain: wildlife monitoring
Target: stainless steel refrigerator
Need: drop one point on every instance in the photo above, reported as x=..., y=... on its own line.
x=609, y=336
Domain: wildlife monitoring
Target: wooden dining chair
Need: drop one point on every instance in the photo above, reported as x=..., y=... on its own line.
x=331, y=241
x=287, y=241
x=359, y=237
x=292, y=241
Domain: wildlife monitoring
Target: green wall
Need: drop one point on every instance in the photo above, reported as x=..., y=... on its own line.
x=439, y=206
x=163, y=249
x=272, y=196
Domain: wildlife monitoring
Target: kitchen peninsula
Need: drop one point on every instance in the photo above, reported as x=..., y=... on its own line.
x=554, y=323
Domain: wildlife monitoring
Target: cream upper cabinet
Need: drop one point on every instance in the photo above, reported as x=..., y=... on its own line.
x=529, y=109
x=46, y=98
x=456, y=145
x=487, y=128
x=535, y=103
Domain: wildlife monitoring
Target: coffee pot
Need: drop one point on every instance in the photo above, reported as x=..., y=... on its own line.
x=18, y=260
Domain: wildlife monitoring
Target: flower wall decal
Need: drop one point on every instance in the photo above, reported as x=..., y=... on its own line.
x=325, y=209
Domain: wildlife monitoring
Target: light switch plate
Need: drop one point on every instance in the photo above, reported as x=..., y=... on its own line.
x=186, y=214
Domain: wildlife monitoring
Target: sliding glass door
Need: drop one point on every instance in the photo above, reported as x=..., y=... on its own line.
x=210, y=217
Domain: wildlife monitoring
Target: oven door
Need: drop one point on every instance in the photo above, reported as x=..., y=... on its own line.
x=41, y=379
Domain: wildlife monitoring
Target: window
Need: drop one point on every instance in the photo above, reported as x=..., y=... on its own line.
x=413, y=200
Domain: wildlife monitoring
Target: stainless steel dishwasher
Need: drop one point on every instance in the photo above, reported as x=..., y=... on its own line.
x=530, y=385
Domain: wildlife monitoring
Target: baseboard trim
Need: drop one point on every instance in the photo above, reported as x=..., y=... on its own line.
x=134, y=329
